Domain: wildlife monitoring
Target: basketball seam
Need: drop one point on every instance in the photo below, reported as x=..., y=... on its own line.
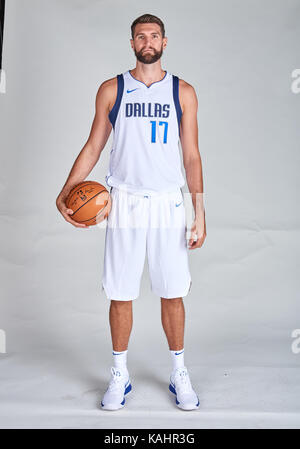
x=88, y=202
x=77, y=186
x=82, y=221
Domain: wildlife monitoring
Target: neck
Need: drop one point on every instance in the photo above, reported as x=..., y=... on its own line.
x=148, y=73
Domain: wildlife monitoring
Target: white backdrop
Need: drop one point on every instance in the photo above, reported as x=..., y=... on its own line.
x=244, y=302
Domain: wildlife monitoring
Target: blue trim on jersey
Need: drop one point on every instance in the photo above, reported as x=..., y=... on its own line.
x=151, y=83
x=114, y=112
x=176, y=100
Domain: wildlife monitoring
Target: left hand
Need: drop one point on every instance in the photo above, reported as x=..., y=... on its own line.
x=198, y=231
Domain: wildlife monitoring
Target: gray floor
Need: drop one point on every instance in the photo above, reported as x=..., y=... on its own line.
x=61, y=388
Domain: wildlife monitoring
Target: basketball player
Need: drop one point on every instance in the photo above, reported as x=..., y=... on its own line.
x=149, y=110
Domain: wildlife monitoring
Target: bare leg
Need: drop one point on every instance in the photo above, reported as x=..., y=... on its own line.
x=172, y=317
x=120, y=320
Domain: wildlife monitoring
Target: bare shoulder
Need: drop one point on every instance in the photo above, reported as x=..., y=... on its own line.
x=107, y=93
x=187, y=94
x=186, y=87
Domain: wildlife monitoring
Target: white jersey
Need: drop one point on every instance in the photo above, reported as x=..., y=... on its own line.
x=145, y=153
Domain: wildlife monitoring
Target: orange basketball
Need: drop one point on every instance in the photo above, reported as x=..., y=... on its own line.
x=90, y=203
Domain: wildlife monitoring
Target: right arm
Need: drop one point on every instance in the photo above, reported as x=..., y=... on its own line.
x=90, y=153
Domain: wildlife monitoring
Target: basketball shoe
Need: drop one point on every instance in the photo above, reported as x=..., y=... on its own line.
x=119, y=386
x=181, y=386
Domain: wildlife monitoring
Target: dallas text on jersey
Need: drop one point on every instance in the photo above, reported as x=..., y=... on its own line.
x=147, y=110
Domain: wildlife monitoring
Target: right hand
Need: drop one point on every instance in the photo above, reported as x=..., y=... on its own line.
x=61, y=206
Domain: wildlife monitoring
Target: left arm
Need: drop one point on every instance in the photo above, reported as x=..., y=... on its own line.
x=192, y=160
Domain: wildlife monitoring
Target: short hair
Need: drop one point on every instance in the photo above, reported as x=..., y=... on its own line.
x=148, y=18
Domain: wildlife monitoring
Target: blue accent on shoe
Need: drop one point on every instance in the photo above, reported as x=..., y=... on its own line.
x=172, y=389
x=127, y=389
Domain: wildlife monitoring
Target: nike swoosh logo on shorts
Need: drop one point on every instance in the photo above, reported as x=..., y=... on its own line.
x=179, y=204
x=128, y=91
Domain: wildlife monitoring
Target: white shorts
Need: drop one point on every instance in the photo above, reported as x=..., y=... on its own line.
x=138, y=224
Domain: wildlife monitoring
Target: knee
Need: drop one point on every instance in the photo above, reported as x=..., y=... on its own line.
x=172, y=301
x=120, y=304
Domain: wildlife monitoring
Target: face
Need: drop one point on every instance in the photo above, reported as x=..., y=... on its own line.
x=148, y=43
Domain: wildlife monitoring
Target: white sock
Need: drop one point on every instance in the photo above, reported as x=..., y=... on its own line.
x=177, y=358
x=120, y=359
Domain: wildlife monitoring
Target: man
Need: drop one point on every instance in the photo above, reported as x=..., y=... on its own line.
x=149, y=110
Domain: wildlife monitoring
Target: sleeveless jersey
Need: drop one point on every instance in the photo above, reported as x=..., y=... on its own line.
x=145, y=152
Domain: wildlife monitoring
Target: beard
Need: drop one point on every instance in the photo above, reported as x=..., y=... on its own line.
x=149, y=57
